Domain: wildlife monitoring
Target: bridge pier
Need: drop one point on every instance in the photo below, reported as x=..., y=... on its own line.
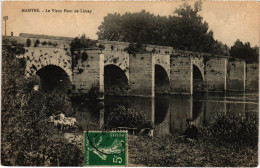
x=252, y=77
x=236, y=75
x=88, y=71
x=181, y=76
x=216, y=74
x=141, y=75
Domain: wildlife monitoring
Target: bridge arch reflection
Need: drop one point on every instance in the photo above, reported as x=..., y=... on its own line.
x=198, y=80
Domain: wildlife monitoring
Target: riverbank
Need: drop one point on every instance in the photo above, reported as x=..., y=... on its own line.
x=166, y=151
x=228, y=141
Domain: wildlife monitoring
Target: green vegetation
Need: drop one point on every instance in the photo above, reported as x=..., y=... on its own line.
x=44, y=43
x=94, y=93
x=28, y=139
x=245, y=51
x=28, y=42
x=184, y=29
x=238, y=148
x=136, y=48
x=84, y=42
x=37, y=42
x=231, y=129
x=121, y=116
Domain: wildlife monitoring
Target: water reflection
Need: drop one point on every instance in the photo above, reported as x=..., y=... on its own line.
x=169, y=112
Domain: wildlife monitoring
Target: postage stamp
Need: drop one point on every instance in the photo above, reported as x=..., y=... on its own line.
x=105, y=148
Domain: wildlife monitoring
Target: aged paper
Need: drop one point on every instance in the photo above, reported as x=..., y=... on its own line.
x=136, y=83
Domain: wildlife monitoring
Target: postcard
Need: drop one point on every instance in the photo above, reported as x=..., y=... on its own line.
x=133, y=84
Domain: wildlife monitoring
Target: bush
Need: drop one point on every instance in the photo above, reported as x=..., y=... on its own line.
x=44, y=43
x=102, y=47
x=94, y=93
x=50, y=43
x=37, y=42
x=227, y=128
x=136, y=48
x=28, y=139
x=82, y=42
x=127, y=117
x=28, y=42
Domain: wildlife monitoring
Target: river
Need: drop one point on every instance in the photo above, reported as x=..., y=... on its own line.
x=169, y=112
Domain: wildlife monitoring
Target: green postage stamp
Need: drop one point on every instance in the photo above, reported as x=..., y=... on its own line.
x=105, y=148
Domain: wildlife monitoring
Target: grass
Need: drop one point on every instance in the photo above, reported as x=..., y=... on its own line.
x=229, y=141
x=166, y=151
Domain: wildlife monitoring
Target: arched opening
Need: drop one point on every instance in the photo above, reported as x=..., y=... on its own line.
x=115, y=81
x=53, y=77
x=162, y=82
x=198, y=84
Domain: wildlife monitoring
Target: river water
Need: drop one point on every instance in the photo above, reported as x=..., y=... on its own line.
x=169, y=112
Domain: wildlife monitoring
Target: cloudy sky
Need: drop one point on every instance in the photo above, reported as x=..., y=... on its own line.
x=229, y=20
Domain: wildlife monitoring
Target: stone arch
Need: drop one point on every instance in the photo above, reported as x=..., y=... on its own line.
x=118, y=59
x=115, y=80
x=199, y=63
x=164, y=61
x=37, y=58
x=52, y=76
x=162, y=80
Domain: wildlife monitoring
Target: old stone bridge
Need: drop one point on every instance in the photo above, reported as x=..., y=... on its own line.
x=116, y=72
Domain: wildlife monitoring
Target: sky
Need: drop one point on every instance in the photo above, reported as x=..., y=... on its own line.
x=229, y=20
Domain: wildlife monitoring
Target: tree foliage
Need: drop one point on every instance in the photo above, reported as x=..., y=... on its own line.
x=83, y=42
x=28, y=139
x=184, y=29
x=245, y=51
x=28, y=42
x=121, y=116
x=37, y=42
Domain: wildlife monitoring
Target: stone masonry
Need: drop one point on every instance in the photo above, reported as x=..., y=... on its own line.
x=85, y=68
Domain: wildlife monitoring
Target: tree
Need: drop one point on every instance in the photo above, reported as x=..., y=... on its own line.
x=28, y=42
x=245, y=51
x=37, y=42
x=28, y=139
x=130, y=27
x=184, y=29
x=219, y=48
x=188, y=31
x=82, y=42
x=110, y=28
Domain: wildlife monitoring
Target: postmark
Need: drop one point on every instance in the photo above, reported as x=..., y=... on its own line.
x=105, y=148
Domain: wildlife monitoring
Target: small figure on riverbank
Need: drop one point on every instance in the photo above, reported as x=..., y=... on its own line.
x=191, y=132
